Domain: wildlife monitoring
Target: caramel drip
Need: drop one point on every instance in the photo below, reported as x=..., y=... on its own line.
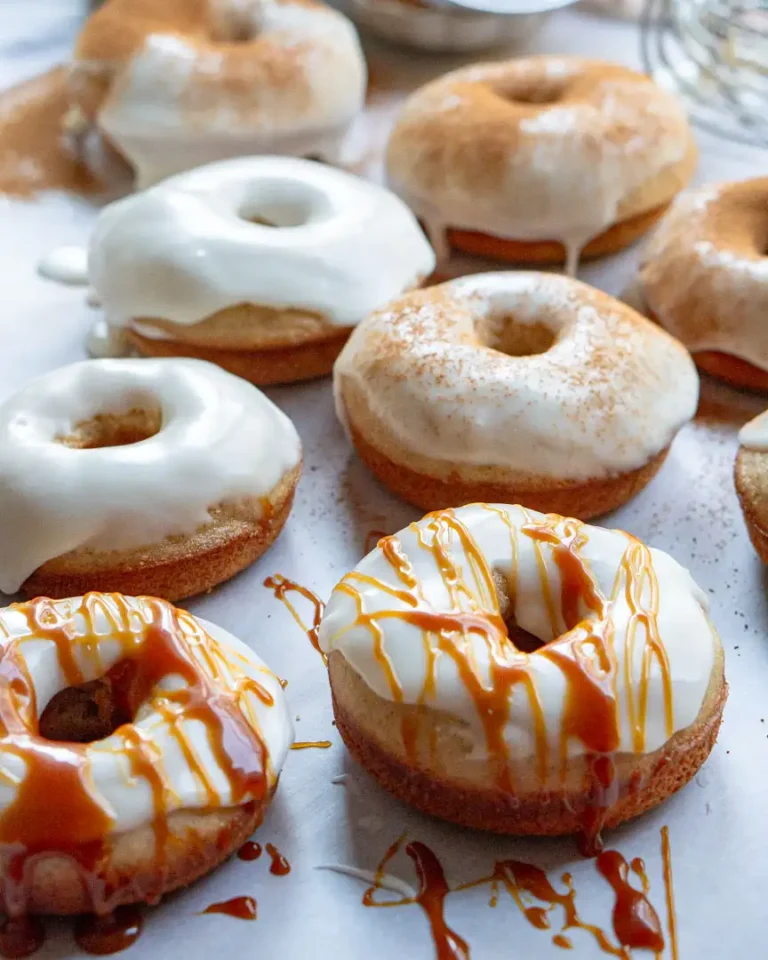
x=309, y=744
x=433, y=889
x=669, y=891
x=21, y=937
x=109, y=934
x=282, y=586
x=279, y=866
x=635, y=922
x=249, y=851
x=241, y=908
x=562, y=941
x=153, y=646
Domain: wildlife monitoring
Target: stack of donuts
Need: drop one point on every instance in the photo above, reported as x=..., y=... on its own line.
x=498, y=663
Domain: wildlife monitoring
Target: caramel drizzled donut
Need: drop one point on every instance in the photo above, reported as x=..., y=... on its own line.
x=514, y=387
x=158, y=476
x=540, y=159
x=523, y=673
x=177, y=84
x=180, y=777
x=704, y=276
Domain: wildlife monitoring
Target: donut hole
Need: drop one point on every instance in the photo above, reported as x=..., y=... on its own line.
x=523, y=640
x=284, y=204
x=503, y=334
x=544, y=91
x=113, y=430
x=83, y=714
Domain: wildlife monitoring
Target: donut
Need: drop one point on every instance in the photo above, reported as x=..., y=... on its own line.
x=704, y=276
x=751, y=475
x=518, y=387
x=164, y=477
x=178, y=84
x=540, y=159
x=522, y=673
x=261, y=265
x=178, y=777
x=443, y=29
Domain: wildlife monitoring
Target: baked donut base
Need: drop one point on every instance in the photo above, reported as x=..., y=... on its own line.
x=304, y=361
x=578, y=499
x=543, y=813
x=177, y=568
x=751, y=478
x=615, y=238
x=198, y=841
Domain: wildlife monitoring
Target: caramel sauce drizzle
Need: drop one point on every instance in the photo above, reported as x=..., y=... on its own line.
x=279, y=866
x=153, y=646
x=109, y=934
x=669, y=891
x=241, y=908
x=281, y=587
x=310, y=744
x=635, y=921
x=249, y=851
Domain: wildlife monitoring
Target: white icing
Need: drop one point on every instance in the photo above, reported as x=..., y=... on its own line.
x=704, y=274
x=570, y=165
x=688, y=638
x=183, y=250
x=126, y=797
x=608, y=396
x=178, y=103
x=442, y=29
x=384, y=881
x=754, y=435
x=67, y=265
x=220, y=440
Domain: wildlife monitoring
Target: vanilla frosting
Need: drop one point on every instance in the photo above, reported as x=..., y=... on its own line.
x=754, y=435
x=185, y=95
x=608, y=395
x=704, y=273
x=536, y=148
x=220, y=440
x=639, y=627
x=102, y=630
x=186, y=249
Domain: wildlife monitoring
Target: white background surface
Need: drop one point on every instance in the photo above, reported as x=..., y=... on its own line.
x=717, y=824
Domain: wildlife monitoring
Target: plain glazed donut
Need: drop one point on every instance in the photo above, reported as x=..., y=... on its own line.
x=704, y=276
x=523, y=673
x=261, y=265
x=180, y=775
x=179, y=83
x=525, y=387
x=751, y=475
x=161, y=476
x=540, y=159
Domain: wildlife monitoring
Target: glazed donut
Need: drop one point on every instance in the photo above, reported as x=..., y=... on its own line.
x=176, y=85
x=523, y=673
x=521, y=387
x=179, y=777
x=751, y=474
x=704, y=276
x=443, y=29
x=261, y=265
x=155, y=476
x=540, y=159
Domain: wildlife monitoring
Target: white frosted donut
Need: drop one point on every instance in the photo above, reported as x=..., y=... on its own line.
x=206, y=733
x=176, y=85
x=704, y=277
x=538, y=159
x=115, y=471
x=262, y=265
x=529, y=384
x=429, y=672
x=442, y=29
